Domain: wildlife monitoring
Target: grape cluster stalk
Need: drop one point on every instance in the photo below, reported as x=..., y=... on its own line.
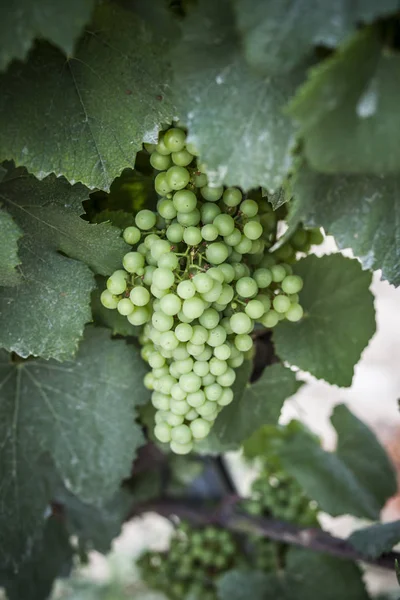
x=198, y=278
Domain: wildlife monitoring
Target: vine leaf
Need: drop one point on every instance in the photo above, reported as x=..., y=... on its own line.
x=259, y=403
x=10, y=233
x=344, y=482
x=338, y=323
x=86, y=117
x=241, y=585
x=362, y=212
x=32, y=580
x=377, y=539
x=352, y=96
x=53, y=20
x=274, y=49
x=82, y=414
x=45, y=315
x=315, y=576
x=249, y=143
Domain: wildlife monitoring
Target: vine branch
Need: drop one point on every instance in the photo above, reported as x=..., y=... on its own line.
x=226, y=515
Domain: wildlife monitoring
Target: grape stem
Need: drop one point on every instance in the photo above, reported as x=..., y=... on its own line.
x=227, y=515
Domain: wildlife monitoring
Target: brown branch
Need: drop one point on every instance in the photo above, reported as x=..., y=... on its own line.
x=226, y=515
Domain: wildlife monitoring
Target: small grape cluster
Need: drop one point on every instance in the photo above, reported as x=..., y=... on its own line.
x=275, y=493
x=195, y=559
x=198, y=278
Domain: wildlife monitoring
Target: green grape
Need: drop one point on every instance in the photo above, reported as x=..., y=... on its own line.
x=161, y=148
x=294, y=313
x=162, y=322
x=213, y=392
x=181, y=449
x=189, y=219
x=160, y=162
x=224, y=224
x=244, y=246
x=159, y=248
x=125, y=307
x=185, y=365
x=299, y=239
x=223, y=352
x=145, y=219
x=278, y=273
x=161, y=184
x=139, y=316
x=240, y=323
x=315, y=237
x=216, y=336
x=109, y=300
x=180, y=353
x=209, y=232
x=183, y=158
x=133, y=261
x=192, y=236
x=270, y=319
x=131, y=235
x=116, y=284
x=190, y=382
x=175, y=233
x=211, y=194
x=200, y=179
x=156, y=292
x=246, y=287
x=193, y=308
x=177, y=392
x=166, y=209
x=249, y=208
x=170, y=304
x=209, y=319
x=139, y=296
x=179, y=407
x=254, y=309
x=160, y=401
x=281, y=303
x=168, y=261
x=156, y=360
x=208, y=212
x=203, y=283
x=217, y=366
x=207, y=409
x=183, y=332
x=217, y=253
x=184, y=201
x=266, y=302
x=177, y=177
x=226, y=295
x=196, y=399
x=191, y=415
x=263, y=277
x=199, y=335
x=292, y=284
x=232, y=197
x=253, y=230
x=174, y=139
x=162, y=431
x=227, y=378
x=168, y=340
x=201, y=368
x=234, y=238
x=195, y=349
x=163, y=278
x=217, y=274
x=243, y=342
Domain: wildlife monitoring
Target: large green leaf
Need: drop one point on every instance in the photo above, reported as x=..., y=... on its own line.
x=10, y=233
x=82, y=413
x=278, y=34
x=339, y=319
x=362, y=212
x=45, y=315
x=377, y=539
x=242, y=585
x=86, y=117
x=234, y=116
x=344, y=482
x=351, y=100
x=58, y=21
x=50, y=210
x=259, y=404
x=51, y=557
x=315, y=576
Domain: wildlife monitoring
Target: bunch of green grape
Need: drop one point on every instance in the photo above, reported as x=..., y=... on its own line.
x=193, y=562
x=276, y=494
x=199, y=276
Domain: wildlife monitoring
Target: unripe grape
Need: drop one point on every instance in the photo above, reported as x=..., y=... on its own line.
x=184, y=201
x=131, y=235
x=209, y=232
x=161, y=185
x=199, y=335
x=217, y=253
x=227, y=378
x=294, y=313
x=192, y=236
x=175, y=233
x=249, y=208
x=189, y=219
x=181, y=449
x=160, y=162
x=243, y=342
x=139, y=296
x=177, y=177
x=209, y=319
x=109, y=300
x=246, y=287
x=278, y=273
x=200, y=429
x=162, y=322
x=208, y=212
x=162, y=431
x=213, y=392
x=133, y=261
x=232, y=196
x=190, y=382
x=226, y=397
x=253, y=230
x=211, y=194
x=166, y=209
x=186, y=290
x=193, y=308
x=281, y=303
x=168, y=261
x=145, y=219
x=196, y=399
x=292, y=284
x=224, y=223
x=203, y=283
x=174, y=139
x=170, y=304
x=163, y=278
x=217, y=336
x=240, y=323
x=125, y=307
x=255, y=309
x=183, y=158
x=222, y=352
x=270, y=319
x=183, y=332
